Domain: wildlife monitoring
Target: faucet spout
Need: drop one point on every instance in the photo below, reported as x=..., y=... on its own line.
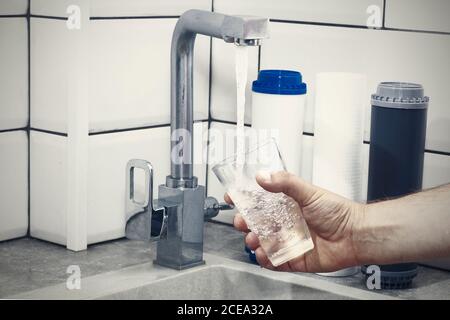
x=241, y=30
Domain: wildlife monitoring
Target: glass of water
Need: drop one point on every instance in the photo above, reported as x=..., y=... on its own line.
x=274, y=217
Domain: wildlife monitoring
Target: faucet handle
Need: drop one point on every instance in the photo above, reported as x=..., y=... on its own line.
x=212, y=207
x=145, y=219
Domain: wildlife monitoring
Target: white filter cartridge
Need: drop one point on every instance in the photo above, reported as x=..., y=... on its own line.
x=338, y=133
x=338, y=137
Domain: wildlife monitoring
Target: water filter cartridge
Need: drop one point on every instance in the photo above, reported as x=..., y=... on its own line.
x=397, y=144
x=340, y=101
x=278, y=108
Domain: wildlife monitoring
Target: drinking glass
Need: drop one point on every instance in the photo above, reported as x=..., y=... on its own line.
x=274, y=217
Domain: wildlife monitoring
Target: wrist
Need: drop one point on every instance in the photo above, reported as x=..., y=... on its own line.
x=375, y=234
x=361, y=228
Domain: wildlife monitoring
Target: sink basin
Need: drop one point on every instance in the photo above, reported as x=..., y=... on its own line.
x=219, y=278
x=220, y=282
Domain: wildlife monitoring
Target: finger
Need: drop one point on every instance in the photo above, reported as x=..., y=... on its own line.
x=252, y=241
x=227, y=199
x=262, y=259
x=239, y=223
x=289, y=184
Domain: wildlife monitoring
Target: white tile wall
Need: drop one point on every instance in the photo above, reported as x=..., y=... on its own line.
x=108, y=155
x=50, y=7
x=13, y=184
x=48, y=186
x=382, y=55
x=352, y=12
x=365, y=169
x=223, y=82
x=8, y=7
x=14, y=73
x=49, y=68
x=436, y=170
x=13, y=115
x=130, y=73
x=129, y=87
x=200, y=141
x=108, y=8
x=307, y=157
x=221, y=146
x=430, y=15
x=145, y=8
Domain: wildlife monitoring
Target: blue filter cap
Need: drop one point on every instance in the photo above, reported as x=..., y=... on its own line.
x=284, y=82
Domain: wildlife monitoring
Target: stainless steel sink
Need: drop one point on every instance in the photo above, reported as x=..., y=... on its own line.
x=220, y=278
x=220, y=282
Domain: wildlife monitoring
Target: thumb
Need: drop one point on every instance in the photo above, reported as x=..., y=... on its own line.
x=291, y=185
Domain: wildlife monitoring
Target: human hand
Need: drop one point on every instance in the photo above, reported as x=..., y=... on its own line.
x=332, y=221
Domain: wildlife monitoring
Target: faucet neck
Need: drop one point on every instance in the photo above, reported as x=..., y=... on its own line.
x=181, y=99
x=238, y=29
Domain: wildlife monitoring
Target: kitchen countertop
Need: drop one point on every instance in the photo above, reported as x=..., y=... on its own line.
x=28, y=264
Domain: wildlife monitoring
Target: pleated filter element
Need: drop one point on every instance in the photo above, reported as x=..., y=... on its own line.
x=338, y=133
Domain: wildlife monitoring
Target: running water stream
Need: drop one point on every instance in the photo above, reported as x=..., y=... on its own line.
x=241, y=59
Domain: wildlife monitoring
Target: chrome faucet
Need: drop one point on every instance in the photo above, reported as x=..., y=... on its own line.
x=176, y=219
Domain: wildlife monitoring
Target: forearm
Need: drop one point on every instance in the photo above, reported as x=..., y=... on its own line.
x=411, y=228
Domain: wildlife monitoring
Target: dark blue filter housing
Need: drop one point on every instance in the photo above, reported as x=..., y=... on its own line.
x=397, y=144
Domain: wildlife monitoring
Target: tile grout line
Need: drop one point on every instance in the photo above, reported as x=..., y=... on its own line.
x=29, y=118
x=55, y=133
x=354, y=26
x=6, y=16
x=134, y=17
x=316, y=23
x=95, y=133
x=14, y=129
x=14, y=239
x=227, y=122
x=416, y=31
x=41, y=16
x=442, y=153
